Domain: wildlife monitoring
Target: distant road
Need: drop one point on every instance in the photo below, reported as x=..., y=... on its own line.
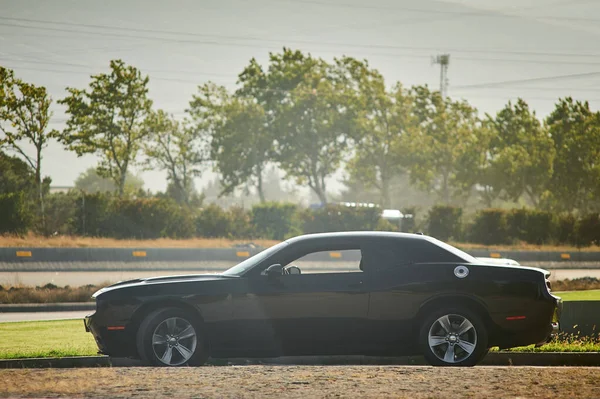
x=36, y=316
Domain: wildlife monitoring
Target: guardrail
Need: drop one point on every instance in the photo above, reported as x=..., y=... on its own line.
x=22, y=255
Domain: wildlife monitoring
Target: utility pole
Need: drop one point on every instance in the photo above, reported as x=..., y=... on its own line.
x=444, y=61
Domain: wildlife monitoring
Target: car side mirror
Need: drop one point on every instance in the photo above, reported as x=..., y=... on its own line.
x=274, y=271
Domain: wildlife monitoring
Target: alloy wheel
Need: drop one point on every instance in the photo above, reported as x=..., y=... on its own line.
x=452, y=338
x=174, y=341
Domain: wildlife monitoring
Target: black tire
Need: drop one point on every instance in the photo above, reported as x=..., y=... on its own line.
x=464, y=347
x=180, y=346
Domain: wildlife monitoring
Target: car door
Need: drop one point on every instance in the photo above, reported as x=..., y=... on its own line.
x=310, y=313
x=399, y=286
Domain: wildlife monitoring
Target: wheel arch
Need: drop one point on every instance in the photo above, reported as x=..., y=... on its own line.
x=448, y=300
x=140, y=314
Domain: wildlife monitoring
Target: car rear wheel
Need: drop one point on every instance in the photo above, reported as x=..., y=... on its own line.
x=453, y=337
x=171, y=337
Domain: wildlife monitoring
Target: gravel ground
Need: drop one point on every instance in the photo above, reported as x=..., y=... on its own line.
x=305, y=382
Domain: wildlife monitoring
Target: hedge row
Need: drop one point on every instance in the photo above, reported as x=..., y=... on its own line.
x=103, y=215
x=501, y=226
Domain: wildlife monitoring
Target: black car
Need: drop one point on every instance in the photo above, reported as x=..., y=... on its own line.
x=409, y=294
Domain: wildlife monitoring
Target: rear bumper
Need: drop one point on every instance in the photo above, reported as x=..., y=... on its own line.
x=522, y=333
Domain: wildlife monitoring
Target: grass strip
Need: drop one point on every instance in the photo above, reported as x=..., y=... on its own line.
x=60, y=338
x=57, y=338
x=588, y=295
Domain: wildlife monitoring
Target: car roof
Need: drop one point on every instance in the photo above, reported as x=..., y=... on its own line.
x=358, y=234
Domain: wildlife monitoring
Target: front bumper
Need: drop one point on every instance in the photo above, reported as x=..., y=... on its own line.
x=116, y=343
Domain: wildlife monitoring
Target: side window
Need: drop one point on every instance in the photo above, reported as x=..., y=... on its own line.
x=332, y=261
x=385, y=255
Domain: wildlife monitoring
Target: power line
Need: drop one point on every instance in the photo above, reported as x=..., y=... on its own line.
x=530, y=80
x=194, y=73
x=246, y=38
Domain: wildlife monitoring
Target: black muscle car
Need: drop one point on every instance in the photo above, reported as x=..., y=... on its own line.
x=410, y=294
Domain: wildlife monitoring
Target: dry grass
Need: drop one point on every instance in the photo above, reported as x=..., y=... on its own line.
x=306, y=382
x=48, y=293
x=51, y=293
x=35, y=241
x=577, y=284
x=523, y=246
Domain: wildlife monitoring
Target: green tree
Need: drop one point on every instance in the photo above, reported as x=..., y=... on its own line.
x=575, y=130
x=178, y=149
x=521, y=153
x=447, y=148
x=92, y=182
x=305, y=114
x=242, y=146
x=108, y=119
x=240, y=139
x=381, y=119
x=24, y=118
x=16, y=176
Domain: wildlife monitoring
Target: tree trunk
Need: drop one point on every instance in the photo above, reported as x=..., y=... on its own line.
x=385, y=192
x=38, y=181
x=122, y=178
x=259, y=186
x=445, y=193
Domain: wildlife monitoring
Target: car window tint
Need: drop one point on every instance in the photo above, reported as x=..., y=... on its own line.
x=395, y=253
x=331, y=261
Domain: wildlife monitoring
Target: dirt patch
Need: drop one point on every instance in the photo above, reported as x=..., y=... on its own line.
x=305, y=381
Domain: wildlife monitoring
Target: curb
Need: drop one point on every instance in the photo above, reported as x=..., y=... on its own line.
x=585, y=359
x=47, y=307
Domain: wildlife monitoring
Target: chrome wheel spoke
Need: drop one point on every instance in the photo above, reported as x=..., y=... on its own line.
x=435, y=341
x=187, y=333
x=184, y=352
x=449, y=355
x=167, y=356
x=466, y=346
x=464, y=327
x=445, y=323
x=158, y=339
x=171, y=325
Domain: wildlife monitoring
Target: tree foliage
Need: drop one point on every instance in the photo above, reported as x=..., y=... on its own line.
x=241, y=144
x=178, y=149
x=24, y=118
x=306, y=111
x=521, y=153
x=575, y=131
x=447, y=148
x=91, y=182
x=381, y=119
x=108, y=119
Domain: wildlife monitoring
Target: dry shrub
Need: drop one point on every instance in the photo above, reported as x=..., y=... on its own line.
x=48, y=293
x=577, y=284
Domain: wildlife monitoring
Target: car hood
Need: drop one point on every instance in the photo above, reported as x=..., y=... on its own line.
x=162, y=280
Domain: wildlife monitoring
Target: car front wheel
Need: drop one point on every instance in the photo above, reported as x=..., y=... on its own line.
x=453, y=337
x=170, y=337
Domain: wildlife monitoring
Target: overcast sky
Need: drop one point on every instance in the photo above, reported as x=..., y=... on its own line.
x=499, y=50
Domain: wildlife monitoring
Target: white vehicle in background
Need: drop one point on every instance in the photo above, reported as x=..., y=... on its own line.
x=500, y=261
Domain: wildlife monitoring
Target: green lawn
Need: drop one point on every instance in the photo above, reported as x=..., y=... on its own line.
x=588, y=295
x=68, y=338
x=45, y=339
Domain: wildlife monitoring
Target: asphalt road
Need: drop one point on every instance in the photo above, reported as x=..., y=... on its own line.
x=34, y=316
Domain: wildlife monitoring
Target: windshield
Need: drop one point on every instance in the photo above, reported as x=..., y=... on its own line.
x=461, y=254
x=249, y=263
